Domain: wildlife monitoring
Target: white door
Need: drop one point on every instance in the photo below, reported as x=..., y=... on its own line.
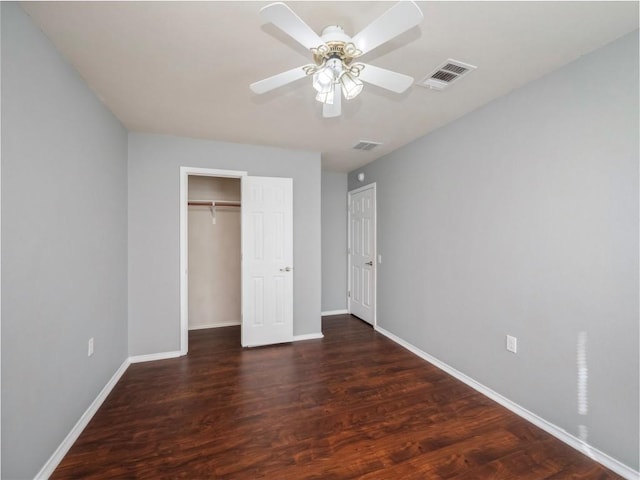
x=267, y=260
x=362, y=252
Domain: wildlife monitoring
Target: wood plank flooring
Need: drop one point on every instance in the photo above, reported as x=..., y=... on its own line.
x=352, y=405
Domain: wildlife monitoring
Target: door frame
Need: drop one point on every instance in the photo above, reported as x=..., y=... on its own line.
x=350, y=193
x=185, y=172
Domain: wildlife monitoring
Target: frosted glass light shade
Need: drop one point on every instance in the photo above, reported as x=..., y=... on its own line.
x=351, y=86
x=323, y=80
x=325, y=97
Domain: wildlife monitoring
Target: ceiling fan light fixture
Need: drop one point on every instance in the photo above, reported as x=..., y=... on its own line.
x=351, y=85
x=323, y=80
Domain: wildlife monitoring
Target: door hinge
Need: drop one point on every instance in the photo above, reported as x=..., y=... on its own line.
x=349, y=293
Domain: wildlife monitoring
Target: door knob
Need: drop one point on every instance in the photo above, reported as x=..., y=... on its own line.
x=286, y=269
x=370, y=263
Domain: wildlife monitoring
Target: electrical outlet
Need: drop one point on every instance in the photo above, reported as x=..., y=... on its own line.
x=512, y=344
x=90, y=348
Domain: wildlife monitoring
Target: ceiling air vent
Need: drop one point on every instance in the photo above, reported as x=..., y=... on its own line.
x=366, y=145
x=446, y=74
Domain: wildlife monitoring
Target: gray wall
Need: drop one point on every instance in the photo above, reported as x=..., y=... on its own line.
x=334, y=241
x=64, y=246
x=154, y=229
x=522, y=218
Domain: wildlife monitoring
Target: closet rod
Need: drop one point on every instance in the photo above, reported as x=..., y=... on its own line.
x=213, y=203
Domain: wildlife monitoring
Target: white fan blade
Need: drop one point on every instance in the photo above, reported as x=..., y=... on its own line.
x=398, y=19
x=286, y=20
x=335, y=109
x=268, y=84
x=394, y=81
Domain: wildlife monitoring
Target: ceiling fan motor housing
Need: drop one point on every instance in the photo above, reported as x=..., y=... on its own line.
x=334, y=33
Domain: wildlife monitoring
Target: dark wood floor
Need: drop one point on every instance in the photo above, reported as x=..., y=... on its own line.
x=353, y=405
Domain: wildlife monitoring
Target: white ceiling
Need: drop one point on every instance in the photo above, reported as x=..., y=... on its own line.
x=184, y=68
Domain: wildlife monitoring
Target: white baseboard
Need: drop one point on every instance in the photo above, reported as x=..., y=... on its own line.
x=154, y=356
x=335, y=312
x=308, y=336
x=55, y=459
x=214, y=325
x=561, y=434
x=600, y=457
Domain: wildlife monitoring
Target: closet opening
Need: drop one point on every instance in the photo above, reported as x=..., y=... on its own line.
x=211, y=280
x=214, y=252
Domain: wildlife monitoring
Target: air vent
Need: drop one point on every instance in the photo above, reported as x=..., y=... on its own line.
x=452, y=67
x=366, y=145
x=446, y=74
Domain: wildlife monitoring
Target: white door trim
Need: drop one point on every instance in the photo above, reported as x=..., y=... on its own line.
x=375, y=250
x=184, y=242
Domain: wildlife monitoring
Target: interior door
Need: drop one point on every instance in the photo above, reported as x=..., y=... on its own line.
x=362, y=252
x=267, y=260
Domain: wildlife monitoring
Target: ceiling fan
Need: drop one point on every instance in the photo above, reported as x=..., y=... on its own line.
x=335, y=71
